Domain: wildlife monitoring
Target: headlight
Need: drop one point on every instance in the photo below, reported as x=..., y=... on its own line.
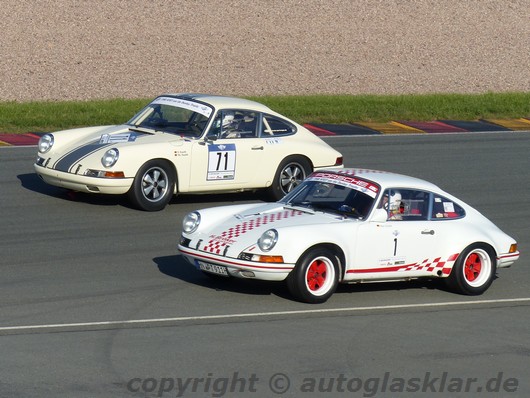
x=45, y=143
x=110, y=157
x=191, y=222
x=268, y=239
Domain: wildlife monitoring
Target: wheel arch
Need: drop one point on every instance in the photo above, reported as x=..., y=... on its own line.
x=297, y=156
x=477, y=276
x=487, y=245
x=336, y=249
x=275, y=191
x=172, y=166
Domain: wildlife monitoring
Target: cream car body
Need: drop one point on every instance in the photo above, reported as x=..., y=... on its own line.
x=186, y=143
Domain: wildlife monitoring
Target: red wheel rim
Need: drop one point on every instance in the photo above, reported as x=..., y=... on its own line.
x=473, y=267
x=316, y=275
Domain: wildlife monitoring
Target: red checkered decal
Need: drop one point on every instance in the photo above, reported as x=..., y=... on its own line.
x=218, y=242
x=436, y=264
x=426, y=265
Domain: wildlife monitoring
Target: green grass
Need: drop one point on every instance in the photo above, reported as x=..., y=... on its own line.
x=52, y=116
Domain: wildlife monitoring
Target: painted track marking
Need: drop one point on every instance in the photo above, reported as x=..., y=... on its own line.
x=81, y=326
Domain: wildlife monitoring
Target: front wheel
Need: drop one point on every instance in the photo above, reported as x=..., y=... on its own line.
x=291, y=172
x=315, y=276
x=473, y=271
x=153, y=186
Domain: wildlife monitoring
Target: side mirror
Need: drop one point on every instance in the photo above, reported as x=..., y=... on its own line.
x=208, y=140
x=380, y=215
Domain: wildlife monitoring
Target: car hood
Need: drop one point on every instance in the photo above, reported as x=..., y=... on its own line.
x=88, y=144
x=243, y=229
x=120, y=135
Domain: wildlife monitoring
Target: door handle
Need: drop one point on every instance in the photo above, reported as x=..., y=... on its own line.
x=257, y=148
x=427, y=232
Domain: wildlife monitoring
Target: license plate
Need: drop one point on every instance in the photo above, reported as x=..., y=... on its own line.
x=212, y=268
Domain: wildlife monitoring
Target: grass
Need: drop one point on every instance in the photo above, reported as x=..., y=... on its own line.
x=52, y=116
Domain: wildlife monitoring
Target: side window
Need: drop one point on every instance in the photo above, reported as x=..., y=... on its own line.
x=405, y=204
x=276, y=127
x=233, y=123
x=443, y=208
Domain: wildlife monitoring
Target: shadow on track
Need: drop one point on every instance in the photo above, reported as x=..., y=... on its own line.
x=177, y=267
x=32, y=182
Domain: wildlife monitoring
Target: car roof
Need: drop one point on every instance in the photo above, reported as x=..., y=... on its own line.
x=388, y=179
x=223, y=101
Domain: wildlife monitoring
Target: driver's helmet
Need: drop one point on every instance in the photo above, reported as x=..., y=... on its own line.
x=228, y=120
x=394, y=205
x=394, y=201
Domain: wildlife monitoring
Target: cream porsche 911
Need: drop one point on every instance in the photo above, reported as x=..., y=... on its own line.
x=186, y=143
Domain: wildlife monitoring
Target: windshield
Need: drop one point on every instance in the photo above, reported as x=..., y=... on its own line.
x=345, y=195
x=174, y=115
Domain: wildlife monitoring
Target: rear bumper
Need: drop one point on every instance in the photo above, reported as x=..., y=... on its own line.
x=505, y=260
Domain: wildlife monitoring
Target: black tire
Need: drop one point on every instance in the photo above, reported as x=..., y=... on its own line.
x=291, y=172
x=474, y=270
x=315, y=276
x=153, y=186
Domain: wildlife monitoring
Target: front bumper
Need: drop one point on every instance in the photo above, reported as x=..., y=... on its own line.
x=83, y=183
x=239, y=268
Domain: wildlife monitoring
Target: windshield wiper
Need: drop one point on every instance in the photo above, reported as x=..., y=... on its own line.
x=141, y=129
x=301, y=206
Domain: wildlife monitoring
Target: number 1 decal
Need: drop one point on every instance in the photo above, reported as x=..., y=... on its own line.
x=221, y=162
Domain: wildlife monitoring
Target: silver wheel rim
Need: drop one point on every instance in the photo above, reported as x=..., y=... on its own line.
x=155, y=183
x=292, y=175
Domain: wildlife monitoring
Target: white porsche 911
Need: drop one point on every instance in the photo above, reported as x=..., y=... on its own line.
x=186, y=143
x=350, y=226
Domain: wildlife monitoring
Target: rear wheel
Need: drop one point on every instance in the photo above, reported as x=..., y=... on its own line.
x=315, y=277
x=473, y=271
x=153, y=186
x=291, y=172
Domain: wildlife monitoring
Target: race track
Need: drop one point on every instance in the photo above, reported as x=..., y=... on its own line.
x=96, y=302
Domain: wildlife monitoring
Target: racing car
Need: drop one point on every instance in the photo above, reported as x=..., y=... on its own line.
x=186, y=143
x=350, y=226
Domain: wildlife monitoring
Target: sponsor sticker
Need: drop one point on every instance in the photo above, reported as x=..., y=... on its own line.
x=364, y=186
x=186, y=104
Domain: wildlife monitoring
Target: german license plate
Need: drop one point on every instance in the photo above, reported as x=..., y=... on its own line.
x=212, y=268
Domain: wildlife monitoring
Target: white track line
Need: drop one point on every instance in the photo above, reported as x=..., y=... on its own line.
x=80, y=325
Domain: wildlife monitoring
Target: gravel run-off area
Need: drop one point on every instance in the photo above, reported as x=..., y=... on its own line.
x=61, y=50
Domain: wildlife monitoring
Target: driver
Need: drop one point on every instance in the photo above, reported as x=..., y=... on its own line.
x=229, y=125
x=393, y=204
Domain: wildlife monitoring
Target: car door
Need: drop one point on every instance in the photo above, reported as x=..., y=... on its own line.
x=232, y=156
x=403, y=244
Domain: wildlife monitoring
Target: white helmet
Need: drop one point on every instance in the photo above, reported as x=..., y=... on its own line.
x=228, y=119
x=394, y=201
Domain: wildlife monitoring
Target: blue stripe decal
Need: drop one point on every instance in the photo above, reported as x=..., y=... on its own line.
x=66, y=162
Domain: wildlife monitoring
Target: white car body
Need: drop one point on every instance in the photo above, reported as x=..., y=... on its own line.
x=180, y=143
x=430, y=234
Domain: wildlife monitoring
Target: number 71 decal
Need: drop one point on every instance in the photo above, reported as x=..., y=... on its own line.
x=221, y=162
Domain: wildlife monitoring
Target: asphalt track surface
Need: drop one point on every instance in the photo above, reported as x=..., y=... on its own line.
x=96, y=302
